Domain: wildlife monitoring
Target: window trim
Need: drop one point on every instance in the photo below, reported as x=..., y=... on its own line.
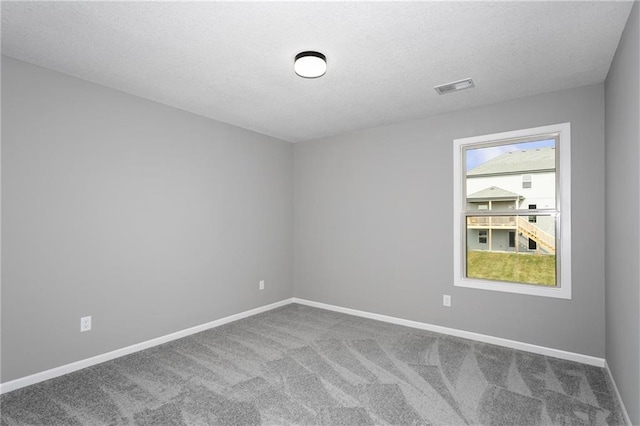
x=563, y=225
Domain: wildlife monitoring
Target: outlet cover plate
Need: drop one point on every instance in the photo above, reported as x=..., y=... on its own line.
x=446, y=300
x=85, y=324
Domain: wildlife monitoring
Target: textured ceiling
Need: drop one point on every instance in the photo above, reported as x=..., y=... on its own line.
x=233, y=61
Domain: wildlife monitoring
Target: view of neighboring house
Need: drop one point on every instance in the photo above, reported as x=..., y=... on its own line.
x=520, y=179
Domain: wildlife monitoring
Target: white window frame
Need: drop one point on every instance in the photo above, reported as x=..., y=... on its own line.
x=563, y=221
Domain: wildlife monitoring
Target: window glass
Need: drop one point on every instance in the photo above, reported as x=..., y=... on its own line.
x=510, y=248
x=495, y=173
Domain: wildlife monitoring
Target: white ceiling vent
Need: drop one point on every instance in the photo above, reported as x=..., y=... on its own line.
x=454, y=86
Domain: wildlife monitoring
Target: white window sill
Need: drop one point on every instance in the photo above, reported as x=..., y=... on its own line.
x=530, y=289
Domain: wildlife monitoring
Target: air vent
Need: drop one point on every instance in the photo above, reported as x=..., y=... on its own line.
x=443, y=89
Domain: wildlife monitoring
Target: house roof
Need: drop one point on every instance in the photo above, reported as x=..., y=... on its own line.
x=530, y=160
x=493, y=193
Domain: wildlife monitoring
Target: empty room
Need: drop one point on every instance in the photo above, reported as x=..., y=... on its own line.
x=320, y=213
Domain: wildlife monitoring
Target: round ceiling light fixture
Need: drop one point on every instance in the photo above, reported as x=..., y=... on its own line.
x=310, y=64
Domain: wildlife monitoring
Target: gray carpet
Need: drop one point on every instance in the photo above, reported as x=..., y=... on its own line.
x=301, y=365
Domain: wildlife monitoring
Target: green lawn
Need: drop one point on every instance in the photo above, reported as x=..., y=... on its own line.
x=521, y=268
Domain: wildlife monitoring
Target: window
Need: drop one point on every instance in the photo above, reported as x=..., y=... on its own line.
x=508, y=247
x=532, y=219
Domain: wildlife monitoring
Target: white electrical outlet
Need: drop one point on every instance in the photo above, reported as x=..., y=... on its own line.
x=446, y=300
x=85, y=324
x=261, y=285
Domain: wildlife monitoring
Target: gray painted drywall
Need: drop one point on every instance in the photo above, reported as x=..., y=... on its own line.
x=147, y=218
x=622, y=91
x=373, y=223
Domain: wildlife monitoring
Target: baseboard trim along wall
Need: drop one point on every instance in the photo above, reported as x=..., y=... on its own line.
x=98, y=359
x=78, y=365
x=615, y=389
x=556, y=353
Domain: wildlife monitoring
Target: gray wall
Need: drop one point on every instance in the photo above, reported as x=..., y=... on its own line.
x=147, y=218
x=373, y=223
x=623, y=202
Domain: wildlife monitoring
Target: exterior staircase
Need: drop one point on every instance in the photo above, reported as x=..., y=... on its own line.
x=543, y=239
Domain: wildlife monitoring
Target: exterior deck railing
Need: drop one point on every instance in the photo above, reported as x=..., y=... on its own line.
x=521, y=223
x=492, y=221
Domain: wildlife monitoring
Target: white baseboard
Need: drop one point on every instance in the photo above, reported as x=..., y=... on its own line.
x=615, y=388
x=78, y=365
x=98, y=359
x=542, y=350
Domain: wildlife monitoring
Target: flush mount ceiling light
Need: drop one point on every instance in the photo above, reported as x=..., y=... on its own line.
x=454, y=86
x=310, y=64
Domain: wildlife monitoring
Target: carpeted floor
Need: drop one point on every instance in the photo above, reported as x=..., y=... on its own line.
x=301, y=365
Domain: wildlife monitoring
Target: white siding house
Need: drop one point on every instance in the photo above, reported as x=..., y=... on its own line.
x=515, y=180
